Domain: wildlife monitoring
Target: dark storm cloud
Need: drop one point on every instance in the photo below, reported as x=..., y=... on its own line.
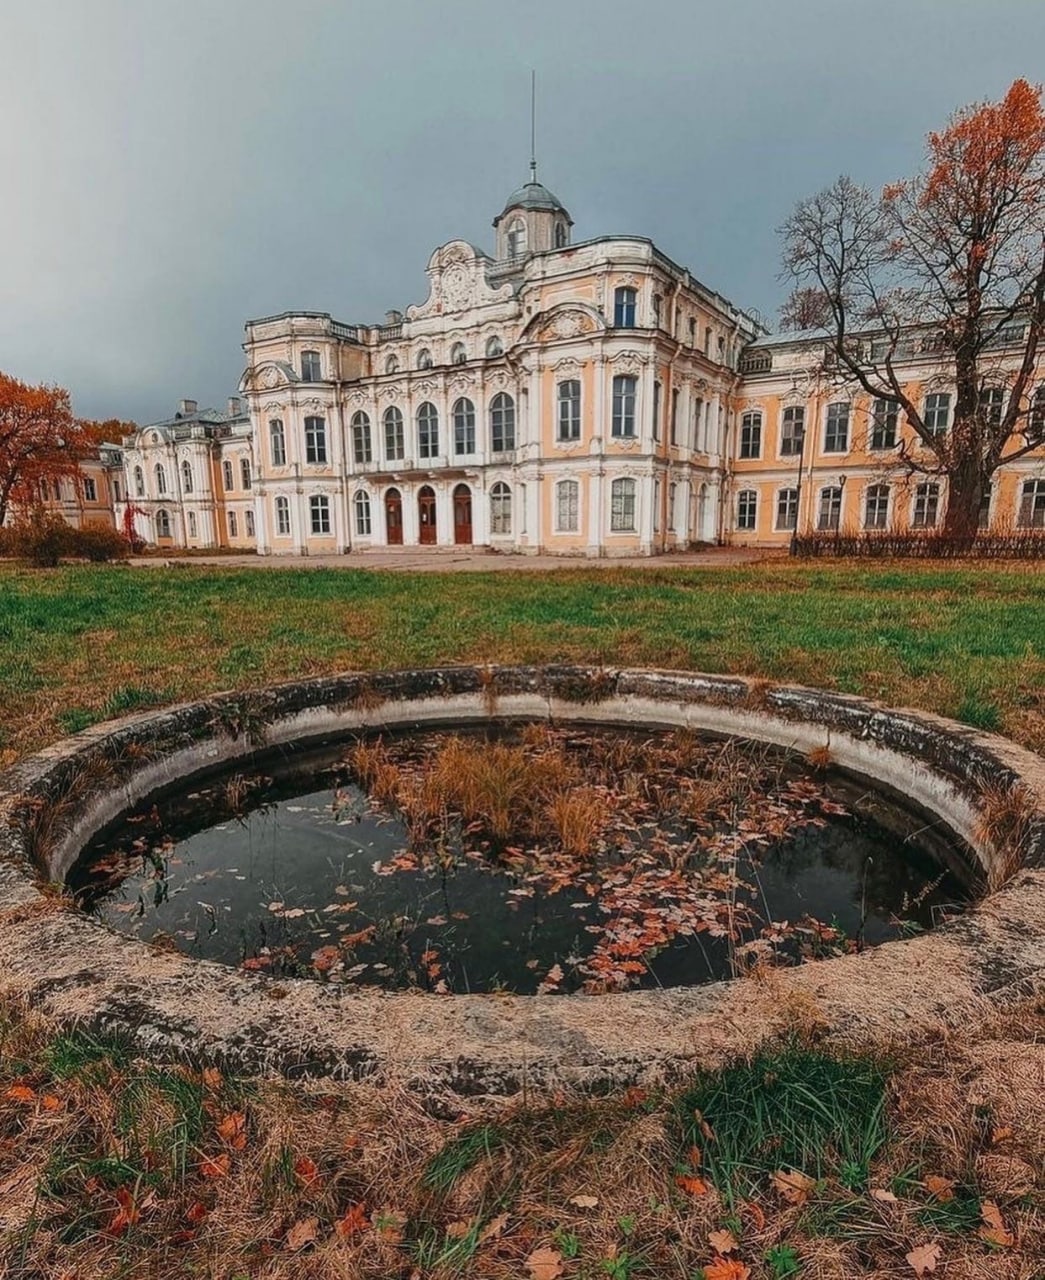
x=171, y=169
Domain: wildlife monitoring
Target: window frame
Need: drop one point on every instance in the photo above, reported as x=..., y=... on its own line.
x=502, y=423
x=751, y=443
x=395, y=433
x=792, y=430
x=500, y=510
x=462, y=416
x=282, y=509
x=747, y=511
x=277, y=442
x=362, y=438
x=573, y=506
x=625, y=392
x=362, y=514
x=884, y=421
x=1032, y=501
x=785, y=518
x=160, y=476
x=316, y=453
x=624, y=503
x=311, y=366
x=832, y=508
x=90, y=489
x=941, y=403
x=427, y=423
x=836, y=427
x=164, y=517
x=319, y=513
x=926, y=501
x=877, y=494
x=246, y=476
x=625, y=300
x=568, y=411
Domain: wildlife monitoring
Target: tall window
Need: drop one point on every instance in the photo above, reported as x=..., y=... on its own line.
x=90, y=489
x=244, y=472
x=656, y=410
x=675, y=416
x=792, y=431
x=161, y=479
x=829, y=515
x=139, y=482
x=624, y=308
x=622, y=506
x=424, y=358
x=926, y=505
x=672, y=499
x=310, y=366
x=227, y=474
x=391, y=365
x=698, y=426
x=1036, y=420
x=567, y=504
x=751, y=435
x=787, y=509
x=232, y=524
x=747, y=509
x=569, y=396
x=876, y=507
x=500, y=508
x=624, y=389
x=463, y=414
x=277, y=443
x=836, y=432
x=283, y=517
x=362, y=446
x=192, y=524
x=516, y=238
x=315, y=440
x=983, y=518
x=992, y=402
x=249, y=517
x=883, y=425
x=502, y=423
x=362, y=505
x=319, y=513
x=186, y=476
x=494, y=348
x=116, y=488
x=427, y=431
x=561, y=235
x=937, y=414
x=658, y=308
x=458, y=354
x=395, y=437
x=1032, y=505
x=163, y=524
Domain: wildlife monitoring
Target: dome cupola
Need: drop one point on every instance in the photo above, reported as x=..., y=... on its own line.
x=532, y=221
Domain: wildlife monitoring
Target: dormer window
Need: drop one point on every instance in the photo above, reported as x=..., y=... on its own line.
x=310, y=366
x=391, y=365
x=561, y=235
x=424, y=359
x=516, y=238
x=458, y=355
x=494, y=347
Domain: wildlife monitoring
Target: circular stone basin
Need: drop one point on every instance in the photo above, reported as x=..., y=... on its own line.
x=530, y=859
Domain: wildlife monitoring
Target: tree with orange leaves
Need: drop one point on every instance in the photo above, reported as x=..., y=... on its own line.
x=947, y=265
x=40, y=442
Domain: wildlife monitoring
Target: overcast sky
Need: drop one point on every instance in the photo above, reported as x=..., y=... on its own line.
x=171, y=168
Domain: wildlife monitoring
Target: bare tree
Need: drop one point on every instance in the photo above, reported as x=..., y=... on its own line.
x=949, y=264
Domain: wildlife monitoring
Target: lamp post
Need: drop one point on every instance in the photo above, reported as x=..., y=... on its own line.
x=841, y=507
x=798, y=490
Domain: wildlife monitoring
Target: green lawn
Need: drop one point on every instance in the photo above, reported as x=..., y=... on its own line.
x=81, y=643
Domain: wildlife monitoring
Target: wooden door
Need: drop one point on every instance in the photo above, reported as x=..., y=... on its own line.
x=463, y=515
x=394, y=518
x=426, y=516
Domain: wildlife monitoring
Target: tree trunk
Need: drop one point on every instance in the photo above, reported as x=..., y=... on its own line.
x=967, y=484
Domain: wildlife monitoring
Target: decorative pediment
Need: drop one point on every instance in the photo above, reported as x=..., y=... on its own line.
x=457, y=282
x=628, y=362
x=567, y=367
x=268, y=376
x=462, y=382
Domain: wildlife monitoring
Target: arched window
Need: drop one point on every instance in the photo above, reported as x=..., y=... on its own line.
x=562, y=234
x=395, y=442
x=232, y=524
x=192, y=524
x=244, y=472
x=876, y=507
x=186, y=476
x=500, y=508
x=569, y=395
x=282, y=518
x=622, y=506
x=277, y=443
x=463, y=414
x=502, y=423
x=427, y=431
x=319, y=514
x=163, y=524
x=625, y=386
x=391, y=365
x=361, y=445
x=567, y=504
x=494, y=347
x=751, y=435
x=829, y=516
x=458, y=355
x=250, y=524
x=362, y=506
x=516, y=238
x=226, y=471
x=139, y=482
x=624, y=308
x=747, y=510
x=161, y=479
x=424, y=358
x=310, y=366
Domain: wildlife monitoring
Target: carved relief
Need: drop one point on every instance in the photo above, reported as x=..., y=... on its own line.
x=567, y=368
x=628, y=362
x=457, y=282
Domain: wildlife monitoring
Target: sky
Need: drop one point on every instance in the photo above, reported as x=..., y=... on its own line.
x=172, y=168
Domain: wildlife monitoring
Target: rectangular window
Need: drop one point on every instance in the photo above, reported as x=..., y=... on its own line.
x=395, y=436
x=250, y=524
x=310, y=366
x=570, y=409
x=658, y=307
x=624, y=308
x=226, y=469
x=792, y=431
x=1032, y=505
x=992, y=402
x=698, y=426
x=675, y=416
x=836, y=430
x=116, y=490
x=937, y=414
x=277, y=443
x=244, y=471
x=319, y=514
x=656, y=410
x=622, y=506
x=751, y=435
x=283, y=517
x=747, y=510
x=883, y=425
x=315, y=440
x=656, y=505
x=232, y=524
x=567, y=506
x=926, y=505
x=876, y=508
x=624, y=388
x=983, y=519
x=787, y=509
x=90, y=489
x=829, y=514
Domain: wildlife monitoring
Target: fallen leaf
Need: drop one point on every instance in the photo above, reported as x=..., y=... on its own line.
x=994, y=1230
x=726, y=1269
x=215, y=1166
x=493, y=1228
x=941, y=1188
x=544, y=1264
x=458, y=1230
x=722, y=1241
x=307, y=1170
x=212, y=1077
x=756, y=1213
x=302, y=1233
x=389, y=1224
x=584, y=1202
x=354, y=1219
x=1001, y=1135
x=197, y=1212
x=20, y=1093
x=233, y=1130
x=924, y=1258
x=51, y=1102
x=792, y=1185
x=691, y=1184
x=886, y=1197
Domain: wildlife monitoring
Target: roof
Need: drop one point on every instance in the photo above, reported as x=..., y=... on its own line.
x=532, y=195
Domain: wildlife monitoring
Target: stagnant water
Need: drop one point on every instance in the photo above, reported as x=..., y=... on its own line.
x=703, y=858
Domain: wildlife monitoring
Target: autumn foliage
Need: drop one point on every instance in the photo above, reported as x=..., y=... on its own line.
x=40, y=442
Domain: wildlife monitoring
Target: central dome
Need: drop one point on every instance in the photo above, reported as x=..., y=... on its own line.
x=533, y=195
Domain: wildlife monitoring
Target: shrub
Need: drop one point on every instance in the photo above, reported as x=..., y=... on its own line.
x=42, y=539
x=934, y=544
x=99, y=544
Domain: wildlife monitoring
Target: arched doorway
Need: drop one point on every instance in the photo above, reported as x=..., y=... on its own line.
x=394, y=518
x=426, y=515
x=463, y=515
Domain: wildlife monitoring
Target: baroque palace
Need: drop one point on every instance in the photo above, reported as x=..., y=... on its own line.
x=584, y=398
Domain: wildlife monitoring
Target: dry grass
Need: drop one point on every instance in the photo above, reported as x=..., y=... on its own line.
x=1006, y=825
